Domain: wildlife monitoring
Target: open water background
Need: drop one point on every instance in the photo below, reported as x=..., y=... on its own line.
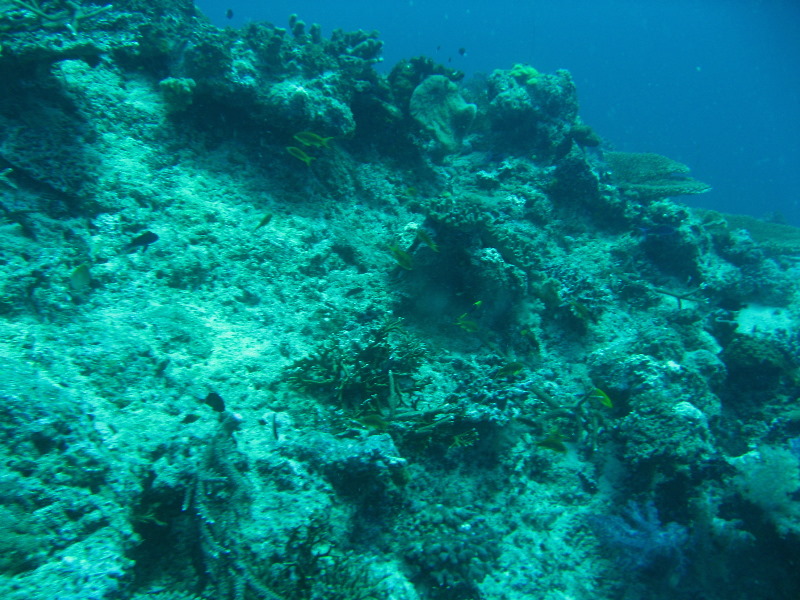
x=712, y=83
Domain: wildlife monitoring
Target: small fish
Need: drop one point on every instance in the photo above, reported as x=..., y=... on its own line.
x=308, y=138
x=658, y=231
x=462, y=51
x=264, y=221
x=423, y=237
x=373, y=421
x=80, y=280
x=229, y=13
x=509, y=370
x=4, y=178
x=300, y=155
x=554, y=441
x=466, y=323
x=531, y=337
x=142, y=241
x=190, y=418
x=401, y=257
x=275, y=426
x=353, y=292
x=215, y=401
x=601, y=397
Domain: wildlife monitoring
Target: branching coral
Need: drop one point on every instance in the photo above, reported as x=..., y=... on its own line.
x=57, y=15
x=361, y=376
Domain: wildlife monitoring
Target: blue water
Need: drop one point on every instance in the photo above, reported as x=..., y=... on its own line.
x=712, y=83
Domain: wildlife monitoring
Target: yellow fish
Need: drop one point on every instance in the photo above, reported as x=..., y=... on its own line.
x=401, y=257
x=308, y=138
x=601, y=397
x=300, y=154
x=554, y=442
x=423, y=237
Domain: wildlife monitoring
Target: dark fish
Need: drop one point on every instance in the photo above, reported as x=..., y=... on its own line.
x=190, y=418
x=353, y=292
x=141, y=241
x=462, y=51
x=215, y=401
x=493, y=157
x=229, y=13
x=275, y=426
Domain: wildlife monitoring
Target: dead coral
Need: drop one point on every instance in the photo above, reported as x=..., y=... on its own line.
x=57, y=15
x=362, y=375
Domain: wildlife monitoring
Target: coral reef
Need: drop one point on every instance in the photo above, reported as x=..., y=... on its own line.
x=276, y=325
